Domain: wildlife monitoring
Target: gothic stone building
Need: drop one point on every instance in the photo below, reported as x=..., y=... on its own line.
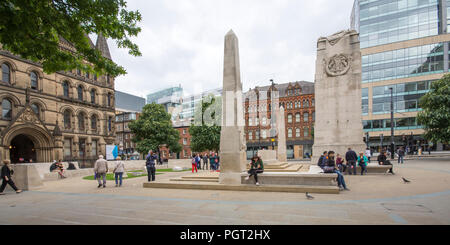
x=44, y=117
x=297, y=98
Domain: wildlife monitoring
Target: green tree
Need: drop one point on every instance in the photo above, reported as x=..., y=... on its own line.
x=33, y=29
x=154, y=129
x=206, y=136
x=435, y=116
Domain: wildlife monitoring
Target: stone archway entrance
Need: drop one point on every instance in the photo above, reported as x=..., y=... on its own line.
x=22, y=147
x=28, y=142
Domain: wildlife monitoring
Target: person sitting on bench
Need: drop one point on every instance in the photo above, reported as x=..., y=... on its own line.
x=256, y=167
x=382, y=160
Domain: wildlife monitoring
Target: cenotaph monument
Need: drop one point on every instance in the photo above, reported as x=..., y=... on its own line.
x=338, y=124
x=232, y=141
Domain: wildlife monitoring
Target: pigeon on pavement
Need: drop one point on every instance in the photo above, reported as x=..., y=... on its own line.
x=405, y=180
x=309, y=197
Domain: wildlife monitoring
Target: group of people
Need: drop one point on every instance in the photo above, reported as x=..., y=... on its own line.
x=101, y=169
x=213, y=159
x=329, y=164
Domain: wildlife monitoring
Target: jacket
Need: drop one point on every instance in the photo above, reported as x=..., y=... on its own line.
x=6, y=172
x=364, y=160
x=120, y=168
x=254, y=165
x=101, y=166
x=381, y=158
x=351, y=156
x=150, y=160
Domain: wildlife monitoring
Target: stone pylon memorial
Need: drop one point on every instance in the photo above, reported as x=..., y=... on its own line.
x=232, y=140
x=338, y=94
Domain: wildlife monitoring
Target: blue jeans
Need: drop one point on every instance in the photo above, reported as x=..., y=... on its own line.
x=400, y=159
x=340, y=179
x=118, y=176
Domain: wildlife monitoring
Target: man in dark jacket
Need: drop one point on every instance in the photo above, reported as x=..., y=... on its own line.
x=150, y=164
x=322, y=160
x=6, y=172
x=351, y=159
x=401, y=155
x=382, y=160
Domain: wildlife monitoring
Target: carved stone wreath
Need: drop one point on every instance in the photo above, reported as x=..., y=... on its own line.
x=337, y=65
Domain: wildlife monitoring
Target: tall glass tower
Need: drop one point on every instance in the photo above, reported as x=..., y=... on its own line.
x=404, y=46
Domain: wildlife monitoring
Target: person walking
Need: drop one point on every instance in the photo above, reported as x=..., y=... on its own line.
x=382, y=160
x=401, y=155
x=100, y=170
x=118, y=171
x=330, y=167
x=6, y=173
x=368, y=154
x=362, y=162
x=150, y=165
x=205, y=162
x=351, y=159
x=256, y=167
x=194, y=163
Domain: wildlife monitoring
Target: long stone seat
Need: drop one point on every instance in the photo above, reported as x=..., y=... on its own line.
x=269, y=178
x=374, y=169
x=69, y=173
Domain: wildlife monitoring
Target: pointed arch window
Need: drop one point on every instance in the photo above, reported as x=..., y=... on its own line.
x=94, y=122
x=297, y=117
x=6, y=109
x=305, y=117
x=290, y=133
x=305, y=132
x=93, y=96
x=35, y=108
x=34, y=80
x=67, y=119
x=81, y=121
x=80, y=92
x=66, y=88
x=6, y=73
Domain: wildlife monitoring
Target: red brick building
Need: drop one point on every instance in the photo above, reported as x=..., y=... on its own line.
x=298, y=101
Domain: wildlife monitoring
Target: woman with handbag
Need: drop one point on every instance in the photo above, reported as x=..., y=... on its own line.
x=118, y=172
x=6, y=173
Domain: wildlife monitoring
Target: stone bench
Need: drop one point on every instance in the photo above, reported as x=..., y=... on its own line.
x=269, y=178
x=373, y=169
x=69, y=174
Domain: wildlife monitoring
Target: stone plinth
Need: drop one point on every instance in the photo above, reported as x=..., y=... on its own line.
x=338, y=122
x=26, y=177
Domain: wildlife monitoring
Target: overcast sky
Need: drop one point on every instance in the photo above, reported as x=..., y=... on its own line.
x=182, y=41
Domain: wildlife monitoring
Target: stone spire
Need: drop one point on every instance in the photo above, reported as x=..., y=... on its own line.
x=232, y=139
x=102, y=46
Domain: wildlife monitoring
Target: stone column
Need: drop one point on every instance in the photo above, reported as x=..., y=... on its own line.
x=281, y=128
x=338, y=95
x=232, y=141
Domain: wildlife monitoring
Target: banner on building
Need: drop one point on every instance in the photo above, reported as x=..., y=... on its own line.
x=112, y=152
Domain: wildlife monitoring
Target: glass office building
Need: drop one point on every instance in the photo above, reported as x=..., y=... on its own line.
x=169, y=97
x=404, y=46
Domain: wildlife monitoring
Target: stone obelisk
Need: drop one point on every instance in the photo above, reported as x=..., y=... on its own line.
x=338, y=95
x=281, y=129
x=232, y=141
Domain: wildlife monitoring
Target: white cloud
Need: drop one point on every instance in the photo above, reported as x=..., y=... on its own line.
x=182, y=41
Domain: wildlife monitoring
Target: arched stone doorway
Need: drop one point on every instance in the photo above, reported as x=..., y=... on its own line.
x=29, y=141
x=22, y=147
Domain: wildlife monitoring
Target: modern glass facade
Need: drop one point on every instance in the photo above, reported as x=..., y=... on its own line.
x=388, y=21
x=404, y=46
x=402, y=63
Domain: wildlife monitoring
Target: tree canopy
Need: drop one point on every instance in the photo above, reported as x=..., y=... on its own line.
x=435, y=116
x=206, y=136
x=34, y=29
x=154, y=129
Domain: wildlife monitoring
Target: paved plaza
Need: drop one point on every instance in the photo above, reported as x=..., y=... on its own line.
x=373, y=199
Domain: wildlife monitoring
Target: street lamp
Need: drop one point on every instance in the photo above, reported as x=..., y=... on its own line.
x=392, y=123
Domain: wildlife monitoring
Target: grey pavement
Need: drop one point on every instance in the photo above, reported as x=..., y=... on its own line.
x=373, y=199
